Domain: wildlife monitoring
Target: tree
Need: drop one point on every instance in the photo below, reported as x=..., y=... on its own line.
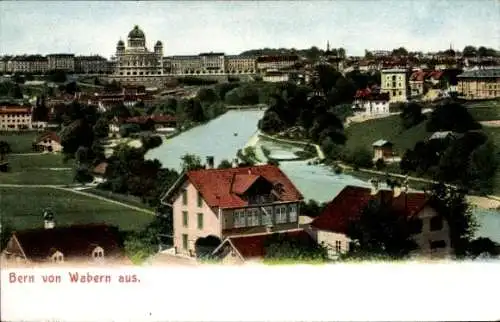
x=283, y=247
x=483, y=246
x=101, y=128
x=6, y=230
x=151, y=141
x=4, y=150
x=469, y=51
x=361, y=158
x=82, y=175
x=452, y=205
x=311, y=208
x=412, y=115
x=127, y=129
x=482, y=166
x=380, y=164
x=191, y=162
x=224, y=164
x=381, y=230
x=451, y=116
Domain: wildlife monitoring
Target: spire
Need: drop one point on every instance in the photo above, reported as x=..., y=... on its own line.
x=327, y=45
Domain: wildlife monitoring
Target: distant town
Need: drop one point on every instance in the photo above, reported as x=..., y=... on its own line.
x=132, y=159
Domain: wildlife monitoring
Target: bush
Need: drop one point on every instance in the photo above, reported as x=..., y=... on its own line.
x=380, y=164
x=360, y=158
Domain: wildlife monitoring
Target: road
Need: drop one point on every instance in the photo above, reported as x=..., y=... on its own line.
x=73, y=190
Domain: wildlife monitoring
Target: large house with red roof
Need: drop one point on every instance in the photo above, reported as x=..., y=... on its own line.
x=331, y=227
x=370, y=102
x=224, y=203
x=47, y=142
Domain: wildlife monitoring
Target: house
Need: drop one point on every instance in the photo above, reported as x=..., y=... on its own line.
x=252, y=248
x=220, y=203
x=482, y=83
x=395, y=81
x=47, y=142
x=95, y=243
x=431, y=232
x=371, y=103
x=417, y=83
x=382, y=149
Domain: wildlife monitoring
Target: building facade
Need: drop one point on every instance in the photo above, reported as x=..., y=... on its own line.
x=135, y=59
x=395, y=82
x=276, y=62
x=91, y=65
x=32, y=64
x=65, y=62
x=479, y=84
x=15, y=118
x=240, y=64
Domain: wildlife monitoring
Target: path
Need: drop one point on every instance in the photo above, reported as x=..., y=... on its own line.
x=495, y=123
x=74, y=190
x=319, y=152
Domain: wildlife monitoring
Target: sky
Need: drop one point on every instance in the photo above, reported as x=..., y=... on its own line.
x=192, y=27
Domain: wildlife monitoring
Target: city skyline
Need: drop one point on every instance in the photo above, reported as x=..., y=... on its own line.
x=233, y=27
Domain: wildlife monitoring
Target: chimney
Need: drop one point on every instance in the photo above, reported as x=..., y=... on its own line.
x=210, y=162
x=48, y=219
x=375, y=186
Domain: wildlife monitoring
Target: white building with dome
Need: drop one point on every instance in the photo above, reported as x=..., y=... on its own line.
x=134, y=63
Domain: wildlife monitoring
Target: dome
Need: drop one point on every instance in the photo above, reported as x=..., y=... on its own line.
x=120, y=43
x=158, y=44
x=136, y=33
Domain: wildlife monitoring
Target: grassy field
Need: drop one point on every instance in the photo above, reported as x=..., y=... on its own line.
x=19, y=142
x=128, y=199
x=363, y=135
x=23, y=207
x=37, y=169
x=485, y=111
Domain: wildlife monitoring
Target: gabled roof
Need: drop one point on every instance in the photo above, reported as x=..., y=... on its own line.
x=347, y=205
x=48, y=135
x=215, y=184
x=382, y=143
x=72, y=241
x=254, y=246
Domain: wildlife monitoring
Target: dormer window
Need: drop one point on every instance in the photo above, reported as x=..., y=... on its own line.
x=98, y=253
x=57, y=257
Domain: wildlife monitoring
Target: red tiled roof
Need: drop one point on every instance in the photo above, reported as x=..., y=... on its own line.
x=254, y=246
x=15, y=110
x=72, y=241
x=347, y=205
x=215, y=184
x=418, y=76
x=242, y=182
x=48, y=135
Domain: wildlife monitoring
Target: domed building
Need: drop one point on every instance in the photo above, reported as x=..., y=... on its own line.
x=135, y=60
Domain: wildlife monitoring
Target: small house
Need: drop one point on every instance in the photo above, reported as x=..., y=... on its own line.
x=382, y=149
x=94, y=243
x=47, y=142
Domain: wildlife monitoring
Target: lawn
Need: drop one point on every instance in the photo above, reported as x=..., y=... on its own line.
x=37, y=169
x=364, y=134
x=485, y=111
x=19, y=142
x=23, y=207
x=128, y=199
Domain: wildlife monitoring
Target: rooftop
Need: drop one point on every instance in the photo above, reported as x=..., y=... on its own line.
x=481, y=73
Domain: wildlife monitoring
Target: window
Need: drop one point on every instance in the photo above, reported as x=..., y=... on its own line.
x=184, y=197
x=292, y=213
x=239, y=218
x=254, y=218
x=280, y=214
x=184, y=241
x=338, y=246
x=185, y=221
x=200, y=221
x=438, y=244
x=267, y=214
x=200, y=200
x=98, y=253
x=436, y=223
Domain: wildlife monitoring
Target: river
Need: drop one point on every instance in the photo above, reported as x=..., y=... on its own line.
x=223, y=136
